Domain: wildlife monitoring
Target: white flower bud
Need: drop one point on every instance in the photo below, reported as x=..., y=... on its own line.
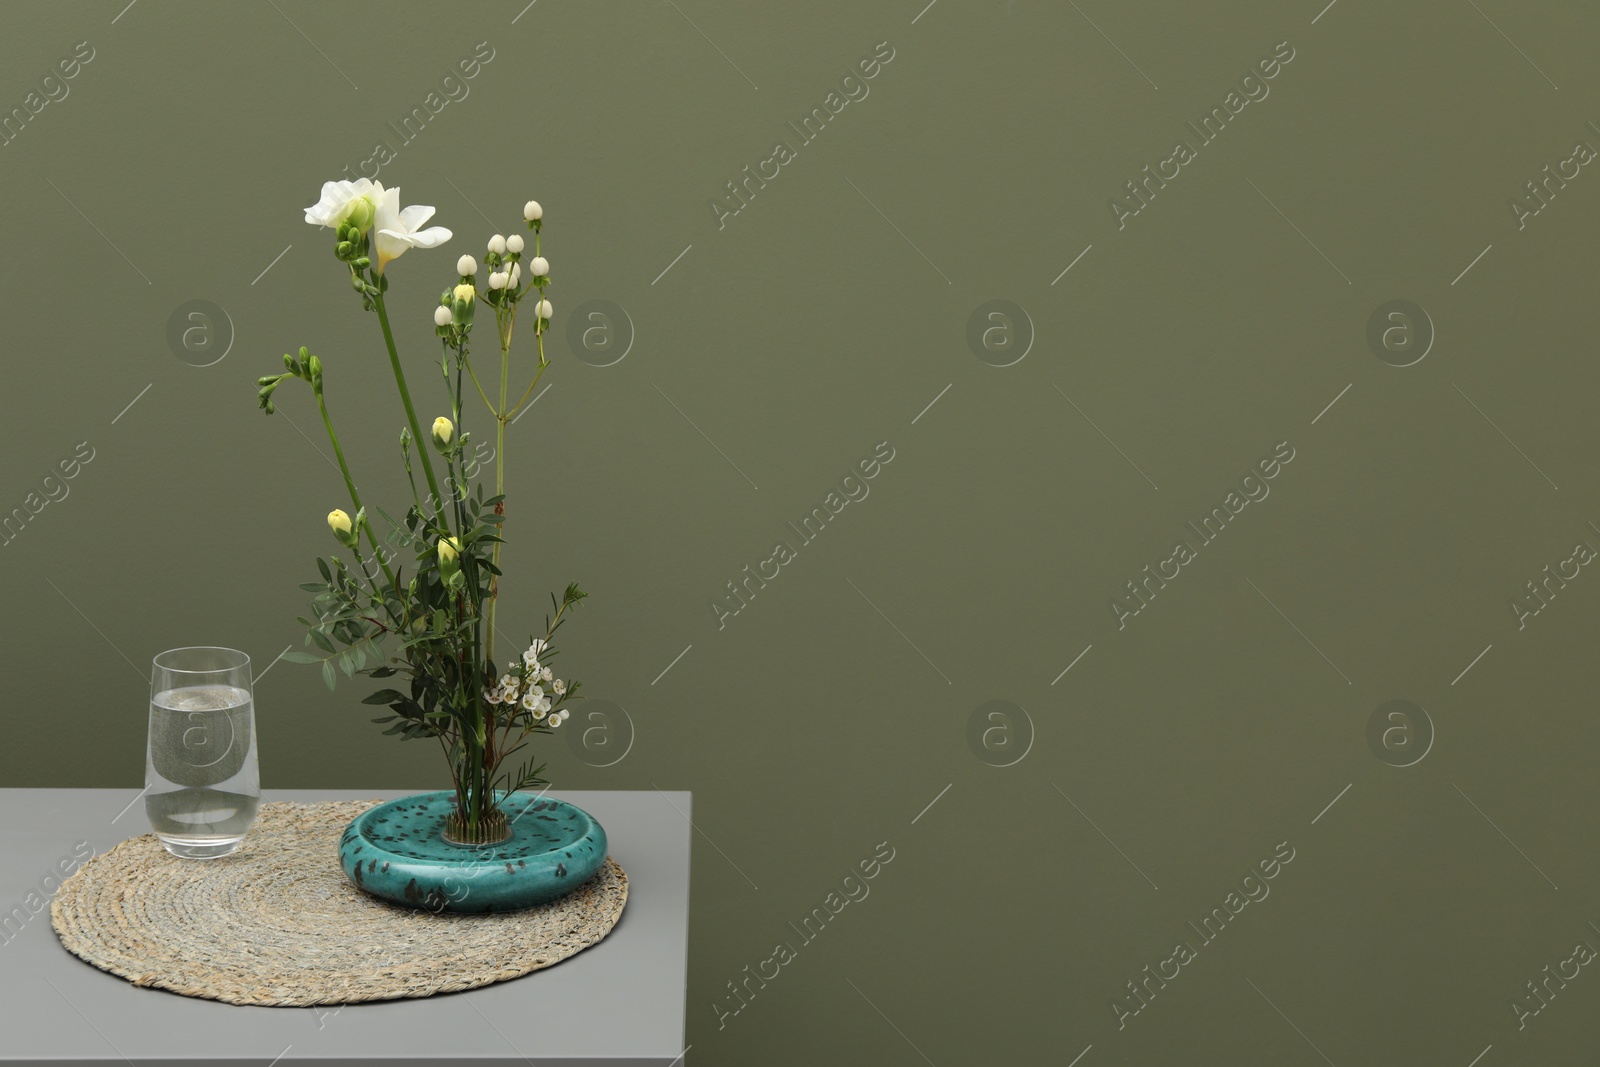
x=543, y=309
x=532, y=211
x=540, y=266
x=516, y=274
x=441, y=316
x=514, y=243
x=497, y=280
x=497, y=245
x=466, y=266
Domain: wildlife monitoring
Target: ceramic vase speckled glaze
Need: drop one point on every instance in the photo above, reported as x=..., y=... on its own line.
x=398, y=851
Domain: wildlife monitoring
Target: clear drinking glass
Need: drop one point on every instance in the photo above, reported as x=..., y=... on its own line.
x=202, y=785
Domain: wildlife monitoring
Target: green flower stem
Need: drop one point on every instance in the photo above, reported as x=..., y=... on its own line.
x=512, y=414
x=499, y=472
x=474, y=376
x=355, y=497
x=405, y=397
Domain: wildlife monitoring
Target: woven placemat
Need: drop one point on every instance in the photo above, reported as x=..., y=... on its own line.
x=277, y=923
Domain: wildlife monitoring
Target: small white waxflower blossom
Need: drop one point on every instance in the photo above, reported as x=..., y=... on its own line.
x=530, y=659
x=558, y=687
x=491, y=696
x=565, y=714
x=441, y=316
x=466, y=266
x=514, y=243
x=529, y=702
x=497, y=245
x=547, y=674
x=532, y=211
x=506, y=681
x=540, y=266
x=497, y=280
x=539, y=645
x=544, y=310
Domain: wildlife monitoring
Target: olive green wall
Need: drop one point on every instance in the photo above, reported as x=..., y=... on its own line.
x=1148, y=767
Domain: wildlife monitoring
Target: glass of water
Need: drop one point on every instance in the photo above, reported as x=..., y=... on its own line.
x=202, y=785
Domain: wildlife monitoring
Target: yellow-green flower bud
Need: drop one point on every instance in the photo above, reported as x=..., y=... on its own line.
x=464, y=294
x=450, y=562
x=339, y=522
x=360, y=214
x=443, y=431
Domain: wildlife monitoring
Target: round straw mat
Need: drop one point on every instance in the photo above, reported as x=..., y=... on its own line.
x=277, y=923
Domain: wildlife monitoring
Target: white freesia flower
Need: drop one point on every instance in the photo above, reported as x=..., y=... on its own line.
x=401, y=228
x=343, y=202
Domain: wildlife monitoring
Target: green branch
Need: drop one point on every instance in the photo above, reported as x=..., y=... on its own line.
x=405, y=397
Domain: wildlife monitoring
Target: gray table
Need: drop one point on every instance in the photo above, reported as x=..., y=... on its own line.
x=618, y=1004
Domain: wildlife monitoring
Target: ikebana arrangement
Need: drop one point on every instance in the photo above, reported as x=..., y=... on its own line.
x=433, y=621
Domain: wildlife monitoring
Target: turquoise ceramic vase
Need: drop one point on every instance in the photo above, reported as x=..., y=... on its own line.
x=399, y=851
